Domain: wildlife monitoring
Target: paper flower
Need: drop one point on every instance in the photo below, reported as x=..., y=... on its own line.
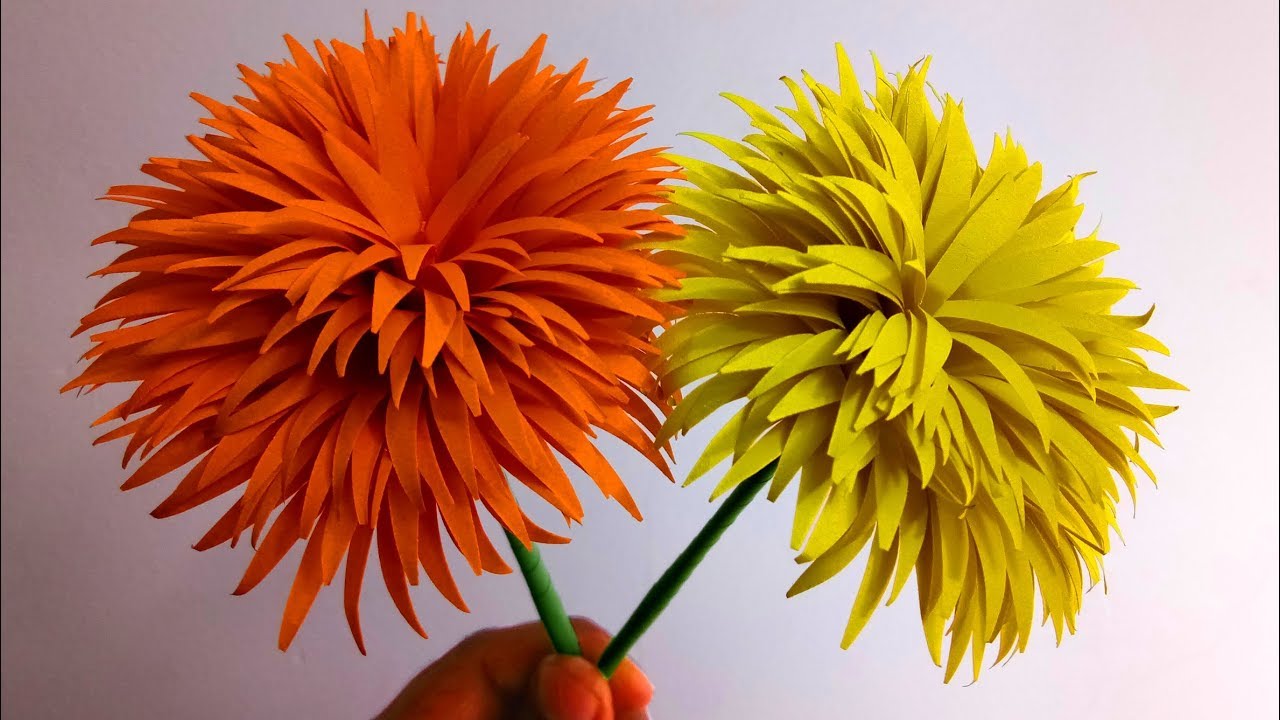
x=926, y=343
x=384, y=288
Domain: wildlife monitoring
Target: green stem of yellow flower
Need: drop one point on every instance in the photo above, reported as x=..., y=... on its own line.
x=545, y=598
x=663, y=591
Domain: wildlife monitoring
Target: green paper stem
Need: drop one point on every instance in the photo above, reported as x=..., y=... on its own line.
x=545, y=598
x=665, y=589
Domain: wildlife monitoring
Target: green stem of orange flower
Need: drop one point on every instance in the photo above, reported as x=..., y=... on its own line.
x=545, y=598
x=665, y=589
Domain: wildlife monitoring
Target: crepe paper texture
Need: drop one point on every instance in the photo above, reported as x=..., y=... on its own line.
x=925, y=342
x=665, y=589
x=390, y=283
x=545, y=598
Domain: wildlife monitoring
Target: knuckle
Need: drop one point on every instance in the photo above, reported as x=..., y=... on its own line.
x=478, y=639
x=587, y=625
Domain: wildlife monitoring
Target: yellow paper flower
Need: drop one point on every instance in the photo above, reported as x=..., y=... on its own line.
x=926, y=343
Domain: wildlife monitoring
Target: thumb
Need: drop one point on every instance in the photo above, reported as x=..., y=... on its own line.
x=566, y=687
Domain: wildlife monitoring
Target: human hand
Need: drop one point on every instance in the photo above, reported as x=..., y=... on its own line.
x=513, y=674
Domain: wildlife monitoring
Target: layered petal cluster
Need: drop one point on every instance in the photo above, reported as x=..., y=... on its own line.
x=925, y=342
x=389, y=283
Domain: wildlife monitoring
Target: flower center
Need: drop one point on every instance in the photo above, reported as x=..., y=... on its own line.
x=851, y=312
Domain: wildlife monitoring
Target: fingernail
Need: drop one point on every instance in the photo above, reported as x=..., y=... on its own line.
x=570, y=688
x=641, y=677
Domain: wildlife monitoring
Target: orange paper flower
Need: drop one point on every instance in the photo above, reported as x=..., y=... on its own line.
x=383, y=289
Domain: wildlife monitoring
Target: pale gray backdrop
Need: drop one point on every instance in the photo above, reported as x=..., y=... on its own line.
x=108, y=613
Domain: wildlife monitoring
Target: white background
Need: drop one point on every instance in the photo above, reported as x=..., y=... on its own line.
x=109, y=614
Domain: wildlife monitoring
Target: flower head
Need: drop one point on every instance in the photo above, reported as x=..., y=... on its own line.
x=925, y=342
x=385, y=287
